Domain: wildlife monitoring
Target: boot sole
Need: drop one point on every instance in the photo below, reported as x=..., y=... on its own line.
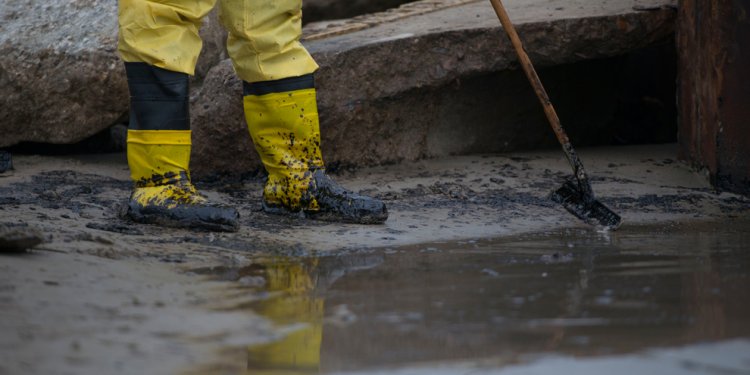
x=195, y=223
x=324, y=215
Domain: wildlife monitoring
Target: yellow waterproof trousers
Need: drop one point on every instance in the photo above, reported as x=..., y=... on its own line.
x=263, y=35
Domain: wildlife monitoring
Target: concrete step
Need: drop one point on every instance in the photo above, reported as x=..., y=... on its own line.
x=390, y=84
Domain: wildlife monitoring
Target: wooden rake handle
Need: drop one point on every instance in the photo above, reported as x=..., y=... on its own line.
x=541, y=93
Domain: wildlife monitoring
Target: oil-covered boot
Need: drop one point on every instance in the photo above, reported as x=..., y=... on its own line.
x=282, y=117
x=159, y=142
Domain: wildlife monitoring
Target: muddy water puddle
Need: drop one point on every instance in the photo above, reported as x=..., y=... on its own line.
x=500, y=303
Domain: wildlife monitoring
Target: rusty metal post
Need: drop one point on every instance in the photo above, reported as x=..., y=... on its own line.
x=713, y=40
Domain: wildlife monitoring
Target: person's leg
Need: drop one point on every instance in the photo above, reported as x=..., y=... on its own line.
x=162, y=33
x=282, y=115
x=264, y=39
x=159, y=43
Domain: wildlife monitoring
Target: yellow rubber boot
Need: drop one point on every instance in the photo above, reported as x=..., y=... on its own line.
x=163, y=193
x=159, y=153
x=282, y=117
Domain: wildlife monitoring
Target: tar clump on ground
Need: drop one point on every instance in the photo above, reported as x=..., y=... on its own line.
x=17, y=238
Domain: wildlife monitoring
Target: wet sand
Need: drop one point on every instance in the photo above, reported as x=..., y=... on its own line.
x=102, y=295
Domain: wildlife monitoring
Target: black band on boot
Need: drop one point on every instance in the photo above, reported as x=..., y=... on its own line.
x=306, y=81
x=159, y=98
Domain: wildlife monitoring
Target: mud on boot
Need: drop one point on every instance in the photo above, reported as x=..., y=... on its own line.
x=163, y=193
x=326, y=200
x=179, y=205
x=159, y=144
x=282, y=118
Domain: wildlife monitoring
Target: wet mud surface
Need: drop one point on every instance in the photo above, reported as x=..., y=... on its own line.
x=506, y=302
x=102, y=294
x=456, y=198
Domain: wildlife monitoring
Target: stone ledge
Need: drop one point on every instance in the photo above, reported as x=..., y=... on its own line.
x=372, y=81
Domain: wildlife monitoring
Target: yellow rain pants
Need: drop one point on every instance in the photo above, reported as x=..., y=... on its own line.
x=263, y=35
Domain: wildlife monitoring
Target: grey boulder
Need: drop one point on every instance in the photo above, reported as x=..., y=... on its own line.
x=61, y=76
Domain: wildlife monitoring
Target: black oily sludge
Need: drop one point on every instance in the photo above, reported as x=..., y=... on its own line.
x=210, y=217
x=339, y=204
x=335, y=203
x=181, y=210
x=169, y=178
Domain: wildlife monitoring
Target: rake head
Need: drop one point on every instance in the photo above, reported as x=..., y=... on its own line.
x=584, y=206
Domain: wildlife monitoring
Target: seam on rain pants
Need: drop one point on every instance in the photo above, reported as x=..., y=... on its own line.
x=263, y=35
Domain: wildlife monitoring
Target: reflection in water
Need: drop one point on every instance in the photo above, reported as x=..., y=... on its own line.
x=292, y=305
x=579, y=293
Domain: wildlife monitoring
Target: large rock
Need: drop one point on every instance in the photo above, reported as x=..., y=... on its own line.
x=214, y=45
x=61, y=77
x=381, y=76
x=17, y=237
